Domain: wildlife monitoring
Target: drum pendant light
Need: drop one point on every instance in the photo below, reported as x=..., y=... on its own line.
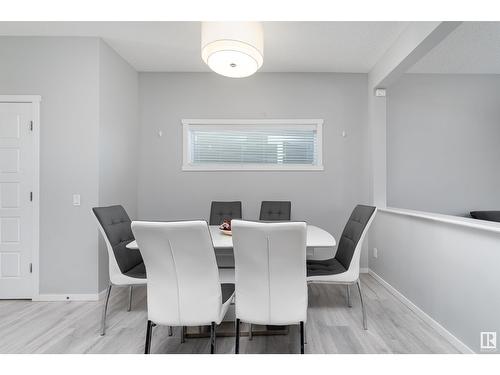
x=232, y=49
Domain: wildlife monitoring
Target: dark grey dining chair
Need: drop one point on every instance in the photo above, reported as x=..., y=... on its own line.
x=275, y=210
x=343, y=269
x=126, y=267
x=224, y=210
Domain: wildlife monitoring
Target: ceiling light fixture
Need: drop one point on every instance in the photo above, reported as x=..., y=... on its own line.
x=232, y=49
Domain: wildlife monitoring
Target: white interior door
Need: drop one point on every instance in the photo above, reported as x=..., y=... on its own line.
x=17, y=168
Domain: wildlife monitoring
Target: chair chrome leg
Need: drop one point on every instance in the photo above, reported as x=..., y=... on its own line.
x=237, y=335
x=105, y=309
x=365, y=325
x=302, y=337
x=149, y=334
x=130, y=298
x=348, y=295
x=250, y=333
x=170, y=332
x=305, y=333
x=212, y=337
x=183, y=334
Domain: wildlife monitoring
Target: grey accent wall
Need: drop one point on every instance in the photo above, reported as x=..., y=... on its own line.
x=88, y=146
x=118, y=139
x=64, y=71
x=443, y=137
x=324, y=198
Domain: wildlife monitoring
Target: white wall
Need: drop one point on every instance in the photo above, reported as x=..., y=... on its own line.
x=118, y=139
x=324, y=198
x=64, y=71
x=443, y=139
x=448, y=270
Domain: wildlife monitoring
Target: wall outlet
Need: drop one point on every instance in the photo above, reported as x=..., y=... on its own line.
x=375, y=252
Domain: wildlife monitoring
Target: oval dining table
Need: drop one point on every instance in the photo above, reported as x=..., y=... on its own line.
x=223, y=246
x=316, y=238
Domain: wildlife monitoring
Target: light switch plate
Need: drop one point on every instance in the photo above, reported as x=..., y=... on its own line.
x=375, y=252
x=76, y=199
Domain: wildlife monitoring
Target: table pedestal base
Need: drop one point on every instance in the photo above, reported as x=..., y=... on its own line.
x=226, y=329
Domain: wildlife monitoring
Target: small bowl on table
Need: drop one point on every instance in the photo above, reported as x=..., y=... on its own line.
x=225, y=227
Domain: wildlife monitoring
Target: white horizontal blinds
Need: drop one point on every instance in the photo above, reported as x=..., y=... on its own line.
x=238, y=144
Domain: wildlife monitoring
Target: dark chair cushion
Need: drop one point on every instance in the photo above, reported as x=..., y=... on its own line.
x=227, y=291
x=275, y=210
x=117, y=226
x=324, y=267
x=138, y=271
x=486, y=215
x=224, y=210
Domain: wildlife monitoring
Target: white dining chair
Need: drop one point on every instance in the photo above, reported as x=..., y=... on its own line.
x=183, y=286
x=270, y=274
x=126, y=268
x=343, y=269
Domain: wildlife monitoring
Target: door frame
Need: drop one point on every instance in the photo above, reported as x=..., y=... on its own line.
x=34, y=100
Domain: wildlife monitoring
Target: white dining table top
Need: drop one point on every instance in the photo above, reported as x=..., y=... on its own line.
x=316, y=237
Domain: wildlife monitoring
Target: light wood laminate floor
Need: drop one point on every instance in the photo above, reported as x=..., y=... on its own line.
x=332, y=327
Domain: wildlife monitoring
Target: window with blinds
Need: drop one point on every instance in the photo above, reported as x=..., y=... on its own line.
x=252, y=144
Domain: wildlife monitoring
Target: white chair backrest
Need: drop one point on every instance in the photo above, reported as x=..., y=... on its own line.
x=183, y=280
x=270, y=272
x=114, y=269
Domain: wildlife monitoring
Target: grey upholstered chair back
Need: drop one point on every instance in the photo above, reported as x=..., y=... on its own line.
x=117, y=226
x=275, y=210
x=352, y=233
x=224, y=210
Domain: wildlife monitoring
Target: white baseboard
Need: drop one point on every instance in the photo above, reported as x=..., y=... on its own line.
x=66, y=297
x=101, y=294
x=69, y=297
x=459, y=345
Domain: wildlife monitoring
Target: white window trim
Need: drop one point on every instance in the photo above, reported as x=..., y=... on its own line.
x=188, y=124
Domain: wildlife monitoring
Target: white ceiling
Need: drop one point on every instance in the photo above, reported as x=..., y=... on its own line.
x=472, y=48
x=289, y=46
